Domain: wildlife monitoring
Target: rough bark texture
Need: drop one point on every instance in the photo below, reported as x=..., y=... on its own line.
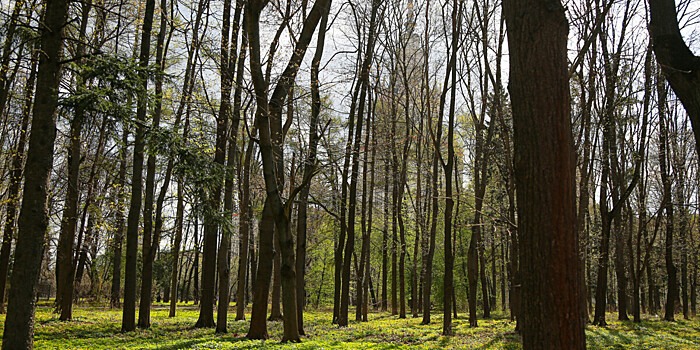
x=34, y=216
x=545, y=175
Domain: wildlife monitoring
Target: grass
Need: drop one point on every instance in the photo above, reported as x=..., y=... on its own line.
x=99, y=328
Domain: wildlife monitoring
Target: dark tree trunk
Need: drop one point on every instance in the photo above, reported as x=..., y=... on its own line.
x=13, y=193
x=150, y=240
x=363, y=81
x=545, y=175
x=664, y=165
x=385, y=239
x=34, y=216
x=309, y=166
x=132, y=229
x=638, y=263
x=225, y=111
x=266, y=112
x=212, y=202
x=679, y=64
x=64, y=254
x=448, y=166
x=245, y=229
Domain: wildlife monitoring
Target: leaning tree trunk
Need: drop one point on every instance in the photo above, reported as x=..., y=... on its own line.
x=34, y=215
x=267, y=110
x=352, y=205
x=679, y=64
x=309, y=165
x=545, y=175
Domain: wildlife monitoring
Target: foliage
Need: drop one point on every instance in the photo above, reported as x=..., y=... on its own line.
x=99, y=328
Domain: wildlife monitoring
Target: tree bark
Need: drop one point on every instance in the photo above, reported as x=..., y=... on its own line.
x=34, y=216
x=545, y=175
x=680, y=66
x=267, y=110
x=132, y=229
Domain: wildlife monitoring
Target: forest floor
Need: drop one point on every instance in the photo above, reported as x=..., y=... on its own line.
x=99, y=328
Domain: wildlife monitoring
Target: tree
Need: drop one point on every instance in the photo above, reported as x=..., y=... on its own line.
x=309, y=164
x=267, y=110
x=225, y=111
x=132, y=226
x=64, y=255
x=679, y=64
x=34, y=216
x=151, y=234
x=19, y=151
x=544, y=174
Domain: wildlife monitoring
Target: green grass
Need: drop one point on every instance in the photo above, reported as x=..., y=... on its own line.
x=99, y=328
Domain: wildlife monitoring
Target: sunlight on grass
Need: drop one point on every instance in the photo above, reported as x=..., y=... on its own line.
x=99, y=328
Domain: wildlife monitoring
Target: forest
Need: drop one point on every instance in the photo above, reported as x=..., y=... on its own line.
x=226, y=174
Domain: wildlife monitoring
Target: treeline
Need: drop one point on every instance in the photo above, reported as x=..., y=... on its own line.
x=400, y=156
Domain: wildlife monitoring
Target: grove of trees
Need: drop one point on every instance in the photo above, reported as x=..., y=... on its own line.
x=457, y=157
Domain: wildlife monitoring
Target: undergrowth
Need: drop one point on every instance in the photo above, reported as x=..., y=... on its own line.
x=97, y=328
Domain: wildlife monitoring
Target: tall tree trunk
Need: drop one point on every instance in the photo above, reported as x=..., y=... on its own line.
x=664, y=161
x=212, y=203
x=150, y=240
x=228, y=46
x=64, y=254
x=13, y=194
x=637, y=263
x=309, y=165
x=448, y=166
x=34, y=216
x=267, y=111
x=132, y=229
x=385, y=239
x=429, y=240
x=545, y=175
x=367, y=285
x=338, y=254
x=350, y=244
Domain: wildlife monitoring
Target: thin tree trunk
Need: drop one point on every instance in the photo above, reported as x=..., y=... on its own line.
x=129, y=306
x=13, y=194
x=448, y=166
x=664, y=160
x=309, y=166
x=64, y=254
